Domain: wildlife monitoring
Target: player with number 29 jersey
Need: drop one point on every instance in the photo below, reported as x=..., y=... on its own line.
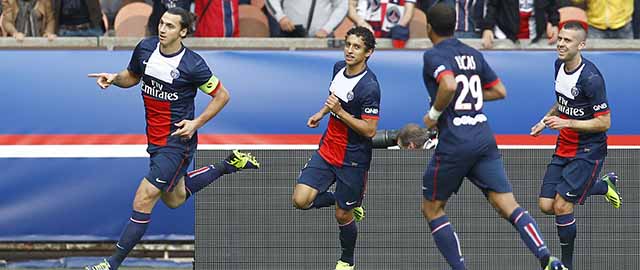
x=462, y=126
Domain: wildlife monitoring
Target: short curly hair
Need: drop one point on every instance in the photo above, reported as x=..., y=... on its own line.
x=365, y=34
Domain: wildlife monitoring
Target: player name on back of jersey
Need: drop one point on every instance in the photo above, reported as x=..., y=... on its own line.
x=155, y=90
x=465, y=62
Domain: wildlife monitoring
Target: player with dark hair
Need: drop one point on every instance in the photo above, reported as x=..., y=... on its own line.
x=582, y=115
x=170, y=74
x=345, y=149
x=459, y=81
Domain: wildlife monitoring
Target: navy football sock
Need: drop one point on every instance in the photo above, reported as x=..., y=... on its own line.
x=225, y=168
x=567, y=231
x=447, y=242
x=599, y=188
x=324, y=199
x=348, y=236
x=198, y=179
x=530, y=234
x=131, y=235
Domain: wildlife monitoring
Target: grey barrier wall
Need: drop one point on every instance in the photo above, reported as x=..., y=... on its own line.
x=246, y=221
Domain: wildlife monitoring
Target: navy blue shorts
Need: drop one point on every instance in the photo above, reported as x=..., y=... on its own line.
x=444, y=175
x=571, y=178
x=166, y=168
x=351, y=181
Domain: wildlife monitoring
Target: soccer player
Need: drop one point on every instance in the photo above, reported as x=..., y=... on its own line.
x=459, y=81
x=582, y=115
x=170, y=75
x=345, y=148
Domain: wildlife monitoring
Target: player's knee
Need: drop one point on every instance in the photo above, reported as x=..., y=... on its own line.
x=144, y=202
x=300, y=202
x=142, y=205
x=562, y=208
x=431, y=211
x=172, y=204
x=343, y=217
x=546, y=207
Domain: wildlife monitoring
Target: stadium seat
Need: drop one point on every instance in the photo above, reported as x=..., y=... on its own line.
x=572, y=13
x=252, y=22
x=131, y=20
x=418, y=25
x=343, y=28
x=257, y=3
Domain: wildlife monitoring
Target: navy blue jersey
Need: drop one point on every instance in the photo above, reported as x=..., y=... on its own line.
x=359, y=96
x=169, y=84
x=581, y=95
x=462, y=126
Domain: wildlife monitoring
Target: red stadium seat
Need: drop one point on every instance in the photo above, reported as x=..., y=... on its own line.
x=252, y=22
x=257, y=3
x=572, y=13
x=131, y=20
x=343, y=28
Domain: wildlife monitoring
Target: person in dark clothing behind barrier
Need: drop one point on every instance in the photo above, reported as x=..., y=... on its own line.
x=159, y=8
x=519, y=20
x=78, y=18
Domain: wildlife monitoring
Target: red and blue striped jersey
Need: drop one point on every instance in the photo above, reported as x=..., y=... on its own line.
x=169, y=84
x=581, y=95
x=359, y=96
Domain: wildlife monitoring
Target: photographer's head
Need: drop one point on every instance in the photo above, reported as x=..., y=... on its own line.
x=412, y=136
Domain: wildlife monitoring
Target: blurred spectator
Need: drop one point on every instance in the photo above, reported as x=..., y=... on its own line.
x=159, y=8
x=636, y=19
x=274, y=26
x=78, y=17
x=519, y=19
x=609, y=18
x=381, y=16
x=110, y=9
x=469, y=13
x=217, y=18
x=30, y=18
x=305, y=18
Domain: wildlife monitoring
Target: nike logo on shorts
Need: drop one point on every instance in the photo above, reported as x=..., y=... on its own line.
x=570, y=195
x=160, y=181
x=351, y=203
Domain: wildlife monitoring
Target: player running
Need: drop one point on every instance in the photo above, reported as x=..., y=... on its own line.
x=459, y=81
x=170, y=75
x=582, y=115
x=345, y=148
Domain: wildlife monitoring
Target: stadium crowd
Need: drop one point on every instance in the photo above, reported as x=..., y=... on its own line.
x=516, y=20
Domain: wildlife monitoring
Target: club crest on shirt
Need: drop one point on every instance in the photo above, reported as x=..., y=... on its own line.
x=393, y=14
x=350, y=96
x=373, y=4
x=575, y=91
x=175, y=74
